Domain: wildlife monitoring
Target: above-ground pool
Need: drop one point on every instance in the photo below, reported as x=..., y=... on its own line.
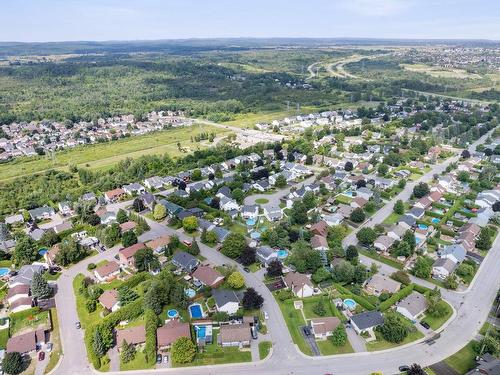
x=195, y=311
x=348, y=193
x=435, y=220
x=189, y=292
x=350, y=304
x=282, y=254
x=255, y=235
x=422, y=226
x=42, y=251
x=250, y=222
x=4, y=271
x=172, y=313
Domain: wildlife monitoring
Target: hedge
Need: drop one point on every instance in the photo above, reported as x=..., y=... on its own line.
x=421, y=289
x=396, y=297
x=89, y=340
x=151, y=324
x=346, y=293
x=136, y=280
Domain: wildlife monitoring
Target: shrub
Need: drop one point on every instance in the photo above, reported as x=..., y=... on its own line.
x=396, y=297
x=91, y=266
x=339, y=336
x=183, y=350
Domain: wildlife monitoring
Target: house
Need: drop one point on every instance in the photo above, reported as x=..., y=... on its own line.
x=127, y=226
x=148, y=200
x=412, y=306
x=14, y=219
x=170, y=332
x=266, y=255
x=109, y=300
x=332, y=220
x=64, y=226
x=224, y=191
x=132, y=336
x=27, y=342
x=358, y=202
x=221, y=233
x=114, y=195
x=126, y=255
x=320, y=228
x=228, y=204
x=107, y=271
x=366, y=321
x=300, y=284
x=42, y=213
x=487, y=198
x=442, y=268
x=397, y=232
x=21, y=304
x=416, y=212
x=319, y=243
x=471, y=228
x=272, y=212
x=345, y=210
x=324, y=327
x=407, y=221
x=423, y=203
x=483, y=216
x=226, y=301
x=154, y=182
x=365, y=193
x=455, y=252
x=159, y=244
x=261, y=185
x=487, y=364
x=107, y=217
x=18, y=292
x=134, y=189
x=25, y=274
x=235, y=335
x=378, y=284
x=185, y=261
x=65, y=208
x=250, y=211
x=383, y=243
x=50, y=255
x=208, y=276
x=88, y=197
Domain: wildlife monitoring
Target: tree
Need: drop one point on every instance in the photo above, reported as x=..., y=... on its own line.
x=319, y=308
x=401, y=184
x=351, y=252
x=159, y=212
x=409, y=238
x=422, y=268
x=238, y=195
x=484, y=240
x=194, y=249
x=394, y=328
x=121, y=216
x=399, y=207
x=348, y=166
x=465, y=154
x=25, y=251
x=382, y=169
x=211, y=237
x=236, y=280
x=309, y=200
x=190, y=224
x=129, y=238
x=280, y=181
x=145, y=260
x=298, y=213
x=357, y=215
x=98, y=343
x=248, y=256
x=40, y=288
x=252, y=300
x=233, y=245
x=13, y=363
x=421, y=190
x=69, y=252
x=415, y=369
x=366, y=236
x=183, y=350
x=321, y=274
x=451, y=282
x=275, y=268
x=196, y=175
x=49, y=238
x=339, y=336
x=127, y=352
x=402, y=277
x=496, y=206
x=463, y=176
x=126, y=295
x=138, y=205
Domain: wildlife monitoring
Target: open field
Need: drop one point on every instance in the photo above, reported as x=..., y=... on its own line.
x=437, y=71
x=103, y=155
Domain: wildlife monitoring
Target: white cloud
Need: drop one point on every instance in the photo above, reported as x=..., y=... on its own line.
x=376, y=8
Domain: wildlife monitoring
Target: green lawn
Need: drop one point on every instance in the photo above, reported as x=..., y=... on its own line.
x=343, y=199
x=392, y=219
x=485, y=328
x=294, y=321
x=31, y=319
x=238, y=228
x=138, y=363
x=262, y=201
x=381, y=344
x=264, y=348
x=85, y=317
x=4, y=336
x=254, y=267
x=435, y=323
x=7, y=263
x=49, y=277
x=311, y=302
x=393, y=263
x=463, y=360
x=326, y=347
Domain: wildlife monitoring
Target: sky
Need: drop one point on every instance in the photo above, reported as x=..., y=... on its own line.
x=70, y=20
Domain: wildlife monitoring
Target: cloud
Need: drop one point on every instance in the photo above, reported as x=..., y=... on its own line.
x=376, y=8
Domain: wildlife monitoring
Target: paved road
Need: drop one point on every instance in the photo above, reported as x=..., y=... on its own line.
x=275, y=198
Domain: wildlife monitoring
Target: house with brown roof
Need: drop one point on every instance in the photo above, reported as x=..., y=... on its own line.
x=320, y=228
x=324, y=327
x=158, y=244
x=21, y=304
x=319, y=243
x=423, y=203
x=128, y=225
x=208, y=276
x=107, y=271
x=299, y=284
x=378, y=284
x=133, y=335
x=470, y=228
x=109, y=300
x=170, y=332
x=114, y=195
x=126, y=255
x=17, y=292
x=358, y=202
x=383, y=243
x=27, y=342
x=235, y=335
x=50, y=256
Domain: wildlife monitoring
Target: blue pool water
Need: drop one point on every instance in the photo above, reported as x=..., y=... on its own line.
x=42, y=251
x=435, y=220
x=417, y=240
x=172, y=313
x=255, y=235
x=190, y=293
x=350, y=303
x=422, y=226
x=4, y=271
x=282, y=254
x=250, y=222
x=195, y=311
x=201, y=331
x=348, y=193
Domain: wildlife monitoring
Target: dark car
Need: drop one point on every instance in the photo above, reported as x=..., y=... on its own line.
x=158, y=359
x=246, y=269
x=425, y=325
x=78, y=325
x=307, y=331
x=404, y=368
x=41, y=356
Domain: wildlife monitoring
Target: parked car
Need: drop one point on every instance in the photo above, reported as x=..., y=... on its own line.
x=307, y=331
x=404, y=368
x=49, y=346
x=254, y=333
x=41, y=356
x=78, y=325
x=266, y=316
x=246, y=269
x=165, y=359
x=158, y=359
x=425, y=325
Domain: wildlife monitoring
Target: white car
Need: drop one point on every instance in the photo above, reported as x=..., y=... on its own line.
x=266, y=316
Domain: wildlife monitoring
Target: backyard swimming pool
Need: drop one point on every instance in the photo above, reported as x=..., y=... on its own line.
x=42, y=251
x=282, y=254
x=172, y=313
x=195, y=311
x=4, y=271
x=350, y=304
x=422, y=226
x=255, y=235
x=189, y=292
x=435, y=220
x=250, y=222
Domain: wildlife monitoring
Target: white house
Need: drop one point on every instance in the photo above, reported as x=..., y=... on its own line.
x=324, y=327
x=442, y=268
x=299, y=284
x=412, y=306
x=273, y=213
x=383, y=243
x=226, y=301
x=227, y=204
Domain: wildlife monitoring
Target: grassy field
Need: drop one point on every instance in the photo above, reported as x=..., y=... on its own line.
x=4, y=336
x=294, y=321
x=381, y=344
x=138, y=363
x=326, y=347
x=436, y=71
x=104, y=155
x=436, y=323
x=264, y=348
x=463, y=360
x=392, y=218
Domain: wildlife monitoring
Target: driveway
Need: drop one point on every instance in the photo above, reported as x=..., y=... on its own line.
x=357, y=342
x=311, y=342
x=275, y=198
